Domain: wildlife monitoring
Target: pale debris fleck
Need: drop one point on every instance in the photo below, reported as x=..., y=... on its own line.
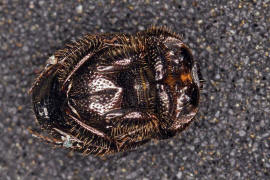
x=52, y=60
x=67, y=142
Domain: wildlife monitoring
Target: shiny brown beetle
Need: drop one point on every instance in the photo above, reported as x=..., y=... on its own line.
x=108, y=93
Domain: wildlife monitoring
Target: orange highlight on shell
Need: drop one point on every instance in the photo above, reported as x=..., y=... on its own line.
x=186, y=77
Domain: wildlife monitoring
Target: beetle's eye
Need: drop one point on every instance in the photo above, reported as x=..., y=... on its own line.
x=179, y=56
x=193, y=94
x=186, y=58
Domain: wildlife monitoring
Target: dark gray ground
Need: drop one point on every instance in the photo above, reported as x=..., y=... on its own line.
x=230, y=138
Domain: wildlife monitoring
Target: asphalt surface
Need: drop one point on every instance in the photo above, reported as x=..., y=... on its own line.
x=230, y=138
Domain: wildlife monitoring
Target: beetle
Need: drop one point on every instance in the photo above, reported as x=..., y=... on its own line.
x=112, y=92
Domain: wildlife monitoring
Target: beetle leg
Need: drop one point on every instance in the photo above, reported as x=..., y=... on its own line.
x=68, y=140
x=133, y=145
x=49, y=140
x=72, y=138
x=87, y=57
x=89, y=128
x=131, y=131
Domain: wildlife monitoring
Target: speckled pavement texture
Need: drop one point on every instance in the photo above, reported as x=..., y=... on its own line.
x=230, y=138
